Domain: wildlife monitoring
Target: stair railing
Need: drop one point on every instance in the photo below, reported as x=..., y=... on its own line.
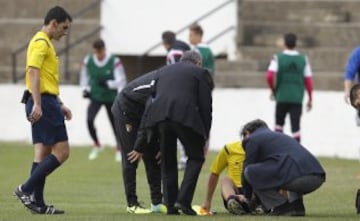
x=14, y=55
x=139, y=62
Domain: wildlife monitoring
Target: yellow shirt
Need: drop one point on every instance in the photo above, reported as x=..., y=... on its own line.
x=231, y=156
x=41, y=55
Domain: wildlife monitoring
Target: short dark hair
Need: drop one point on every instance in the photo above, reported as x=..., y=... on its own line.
x=58, y=13
x=99, y=44
x=353, y=91
x=197, y=29
x=251, y=126
x=168, y=37
x=290, y=40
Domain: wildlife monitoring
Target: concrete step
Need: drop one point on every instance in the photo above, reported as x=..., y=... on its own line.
x=321, y=58
x=26, y=20
x=8, y=45
x=238, y=78
x=301, y=10
x=254, y=79
x=25, y=31
x=5, y=74
x=38, y=8
x=225, y=65
x=314, y=34
x=75, y=59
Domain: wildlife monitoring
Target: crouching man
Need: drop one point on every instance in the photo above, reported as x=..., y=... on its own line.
x=275, y=162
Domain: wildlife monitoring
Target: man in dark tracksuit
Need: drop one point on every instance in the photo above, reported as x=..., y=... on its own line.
x=181, y=108
x=127, y=110
x=275, y=161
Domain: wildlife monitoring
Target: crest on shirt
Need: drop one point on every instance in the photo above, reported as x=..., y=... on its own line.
x=128, y=127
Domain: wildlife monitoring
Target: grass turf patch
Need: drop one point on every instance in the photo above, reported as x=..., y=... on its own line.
x=93, y=190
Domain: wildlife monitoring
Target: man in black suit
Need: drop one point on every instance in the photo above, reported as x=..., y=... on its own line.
x=181, y=108
x=275, y=162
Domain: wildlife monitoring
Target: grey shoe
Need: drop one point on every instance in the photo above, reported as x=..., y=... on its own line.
x=235, y=207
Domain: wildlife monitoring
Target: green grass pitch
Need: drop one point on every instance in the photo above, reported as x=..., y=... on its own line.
x=93, y=190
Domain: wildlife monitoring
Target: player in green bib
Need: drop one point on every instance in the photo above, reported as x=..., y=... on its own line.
x=195, y=38
x=291, y=72
x=102, y=76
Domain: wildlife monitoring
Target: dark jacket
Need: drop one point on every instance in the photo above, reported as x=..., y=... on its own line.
x=134, y=95
x=180, y=45
x=183, y=95
x=274, y=159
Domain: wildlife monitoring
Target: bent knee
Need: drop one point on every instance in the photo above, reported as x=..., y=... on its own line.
x=227, y=182
x=61, y=151
x=225, y=179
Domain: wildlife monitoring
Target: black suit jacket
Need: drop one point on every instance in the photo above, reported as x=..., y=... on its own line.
x=274, y=159
x=183, y=95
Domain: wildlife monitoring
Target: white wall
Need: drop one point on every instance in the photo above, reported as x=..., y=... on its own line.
x=328, y=130
x=133, y=26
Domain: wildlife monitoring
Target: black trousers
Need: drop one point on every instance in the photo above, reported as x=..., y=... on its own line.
x=126, y=131
x=271, y=198
x=92, y=111
x=193, y=143
x=295, y=111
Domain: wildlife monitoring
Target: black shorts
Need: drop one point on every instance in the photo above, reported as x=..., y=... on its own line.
x=293, y=109
x=50, y=128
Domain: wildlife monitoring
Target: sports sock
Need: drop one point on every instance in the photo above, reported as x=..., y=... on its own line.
x=231, y=197
x=296, y=136
x=278, y=128
x=33, y=167
x=97, y=144
x=44, y=168
x=39, y=188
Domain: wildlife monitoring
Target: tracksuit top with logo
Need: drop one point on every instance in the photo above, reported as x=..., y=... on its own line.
x=290, y=83
x=98, y=74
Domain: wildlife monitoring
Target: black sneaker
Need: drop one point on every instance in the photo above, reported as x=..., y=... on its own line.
x=50, y=210
x=186, y=210
x=28, y=201
x=25, y=198
x=46, y=210
x=357, y=198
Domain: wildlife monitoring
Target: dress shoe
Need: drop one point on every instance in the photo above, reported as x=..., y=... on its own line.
x=285, y=209
x=299, y=207
x=185, y=209
x=295, y=208
x=172, y=211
